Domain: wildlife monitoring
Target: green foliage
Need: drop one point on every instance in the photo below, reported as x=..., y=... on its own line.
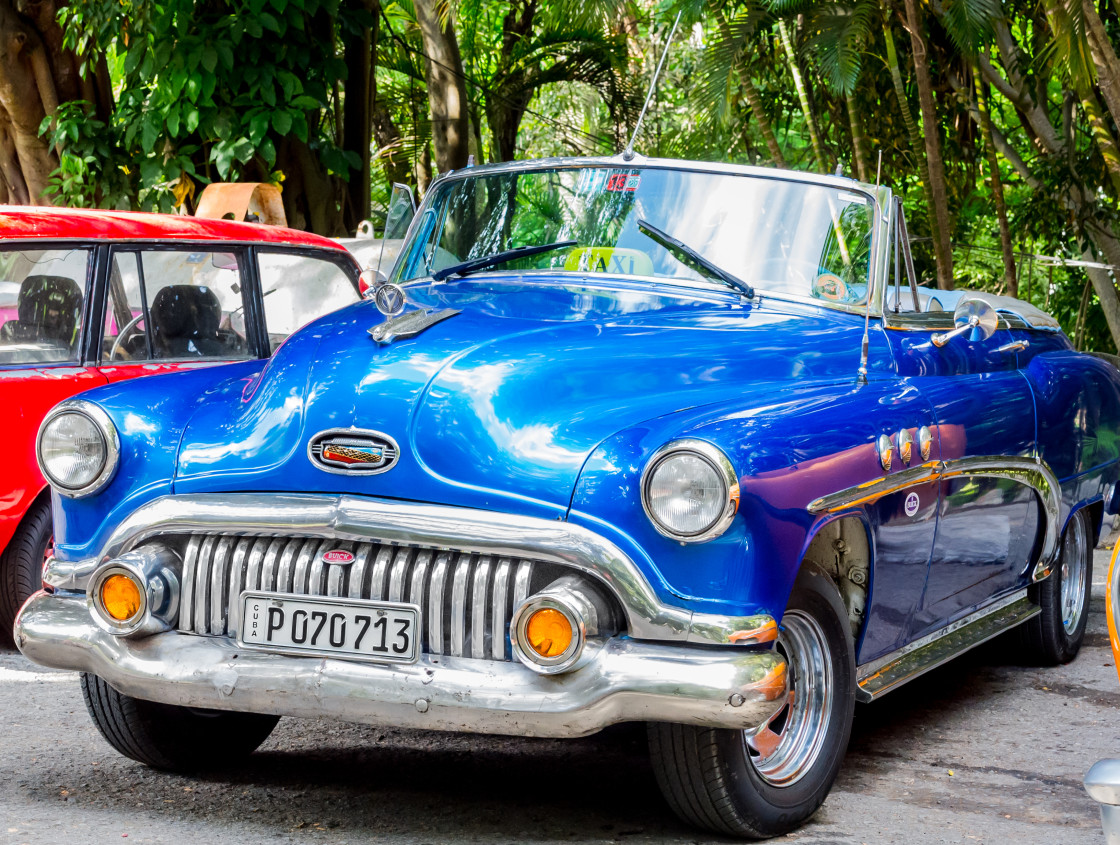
x=205, y=91
x=253, y=89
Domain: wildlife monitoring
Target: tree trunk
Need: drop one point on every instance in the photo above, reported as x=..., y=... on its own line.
x=752, y=95
x=1105, y=59
x=312, y=197
x=859, y=139
x=1102, y=135
x=997, y=186
x=942, y=247
x=23, y=105
x=803, y=97
x=504, y=111
x=358, y=116
x=917, y=145
x=37, y=74
x=389, y=153
x=447, y=89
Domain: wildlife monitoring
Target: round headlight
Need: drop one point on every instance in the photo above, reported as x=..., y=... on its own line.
x=77, y=448
x=690, y=491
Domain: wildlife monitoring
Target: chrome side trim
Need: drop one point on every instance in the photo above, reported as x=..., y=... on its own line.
x=877, y=488
x=627, y=680
x=358, y=519
x=1033, y=472
x=893, y=670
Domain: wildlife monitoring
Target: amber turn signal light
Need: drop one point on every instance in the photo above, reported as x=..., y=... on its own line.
x=120, y=597
x=549, y=632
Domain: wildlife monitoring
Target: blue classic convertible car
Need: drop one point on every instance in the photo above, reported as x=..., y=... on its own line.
x=617, y=439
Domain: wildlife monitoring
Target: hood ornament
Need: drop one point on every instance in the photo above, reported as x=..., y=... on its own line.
x=390, y=299
x=408, y=325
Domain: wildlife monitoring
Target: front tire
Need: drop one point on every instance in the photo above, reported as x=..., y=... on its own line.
x=21, y=565
x=165, y=736
x=1054, y=636
x=766, y=783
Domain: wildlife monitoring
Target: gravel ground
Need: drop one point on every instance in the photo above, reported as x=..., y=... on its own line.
x=978, y=751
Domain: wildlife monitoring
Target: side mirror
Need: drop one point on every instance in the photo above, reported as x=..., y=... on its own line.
x=974, y=316
x=370, y=281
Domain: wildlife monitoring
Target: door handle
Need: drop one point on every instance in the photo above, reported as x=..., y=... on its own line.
x=1014, y=346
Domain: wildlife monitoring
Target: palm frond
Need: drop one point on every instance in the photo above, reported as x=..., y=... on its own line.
x=970, y=22
x=838, y=35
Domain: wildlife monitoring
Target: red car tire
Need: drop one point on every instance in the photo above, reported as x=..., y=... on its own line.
x=21, y=565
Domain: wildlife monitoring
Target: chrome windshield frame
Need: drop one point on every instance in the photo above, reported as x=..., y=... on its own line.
x=878, y=195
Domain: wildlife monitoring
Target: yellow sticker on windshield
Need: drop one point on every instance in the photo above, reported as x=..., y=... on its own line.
x=605, y=259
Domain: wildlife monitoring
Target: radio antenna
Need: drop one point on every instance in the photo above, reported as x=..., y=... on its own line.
x=862, y=377
x=628, y=153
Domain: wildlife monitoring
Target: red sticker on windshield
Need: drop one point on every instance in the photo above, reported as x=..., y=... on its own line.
x=624, y=182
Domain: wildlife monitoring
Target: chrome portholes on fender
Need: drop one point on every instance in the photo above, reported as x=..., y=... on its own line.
x=885, y=450
x=784, y=748
x=1030, y=471
x=690, y=491
x=905, y=446
x=925, y=442
x=1074, y=591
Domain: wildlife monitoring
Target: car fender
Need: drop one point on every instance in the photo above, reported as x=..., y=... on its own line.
x=810, y=441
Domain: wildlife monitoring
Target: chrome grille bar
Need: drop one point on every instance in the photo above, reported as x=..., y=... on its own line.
x=466, y=600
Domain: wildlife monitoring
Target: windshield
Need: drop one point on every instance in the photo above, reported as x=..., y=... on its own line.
x=776, y=235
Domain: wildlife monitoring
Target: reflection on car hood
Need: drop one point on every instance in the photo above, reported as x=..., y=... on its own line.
x=500, y=406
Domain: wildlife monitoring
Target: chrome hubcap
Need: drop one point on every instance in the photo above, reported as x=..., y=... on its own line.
x=784, y=748
x=1073, y=575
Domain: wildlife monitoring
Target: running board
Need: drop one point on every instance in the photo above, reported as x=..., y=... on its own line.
x=893, y=670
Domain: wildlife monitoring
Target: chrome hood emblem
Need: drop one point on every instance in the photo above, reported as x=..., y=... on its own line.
x=408, y=325
x=353, y=451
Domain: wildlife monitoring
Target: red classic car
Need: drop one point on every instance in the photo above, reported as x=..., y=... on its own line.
x=93, y=297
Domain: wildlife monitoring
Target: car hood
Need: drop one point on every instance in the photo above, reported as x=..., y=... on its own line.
x=500, y=405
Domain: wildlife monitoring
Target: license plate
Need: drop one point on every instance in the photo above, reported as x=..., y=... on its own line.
x=335, y=627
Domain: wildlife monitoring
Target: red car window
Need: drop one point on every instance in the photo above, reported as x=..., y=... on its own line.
x=42, y=302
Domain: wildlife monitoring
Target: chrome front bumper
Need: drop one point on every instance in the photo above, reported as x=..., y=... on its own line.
x=627, y=680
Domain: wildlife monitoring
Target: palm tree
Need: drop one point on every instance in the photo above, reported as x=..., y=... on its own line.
x=942, y=246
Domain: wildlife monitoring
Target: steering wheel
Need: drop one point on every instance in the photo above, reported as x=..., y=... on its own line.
x=831, y=287
x=118, y=344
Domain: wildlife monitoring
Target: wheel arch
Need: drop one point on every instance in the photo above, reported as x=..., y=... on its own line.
x=842, y=547
x=43, y=495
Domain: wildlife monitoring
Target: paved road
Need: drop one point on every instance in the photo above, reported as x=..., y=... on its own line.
x=979, y=751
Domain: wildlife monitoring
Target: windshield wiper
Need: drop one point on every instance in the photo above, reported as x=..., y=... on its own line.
x=690, y=258
x=475, y=264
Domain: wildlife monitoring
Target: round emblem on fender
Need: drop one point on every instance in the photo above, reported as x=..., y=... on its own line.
x=912, y=504
x=389, y=299
x=338, y=556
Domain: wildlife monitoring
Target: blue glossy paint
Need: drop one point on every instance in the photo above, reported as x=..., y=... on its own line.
x=547, y=395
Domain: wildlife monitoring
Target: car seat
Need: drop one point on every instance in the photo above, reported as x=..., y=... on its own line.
x=49, y=308
x=185, y=320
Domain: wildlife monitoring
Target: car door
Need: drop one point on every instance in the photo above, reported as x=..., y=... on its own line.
x=45, y=289
x=170, y=307
x=988, y=517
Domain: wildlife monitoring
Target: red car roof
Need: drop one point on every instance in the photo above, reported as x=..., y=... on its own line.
x=41, y=223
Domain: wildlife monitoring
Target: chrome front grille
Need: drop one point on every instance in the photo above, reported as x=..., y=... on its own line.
x=466, y=599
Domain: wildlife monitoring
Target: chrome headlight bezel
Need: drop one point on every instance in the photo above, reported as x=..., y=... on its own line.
x=104, y=425
x=719, y=462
